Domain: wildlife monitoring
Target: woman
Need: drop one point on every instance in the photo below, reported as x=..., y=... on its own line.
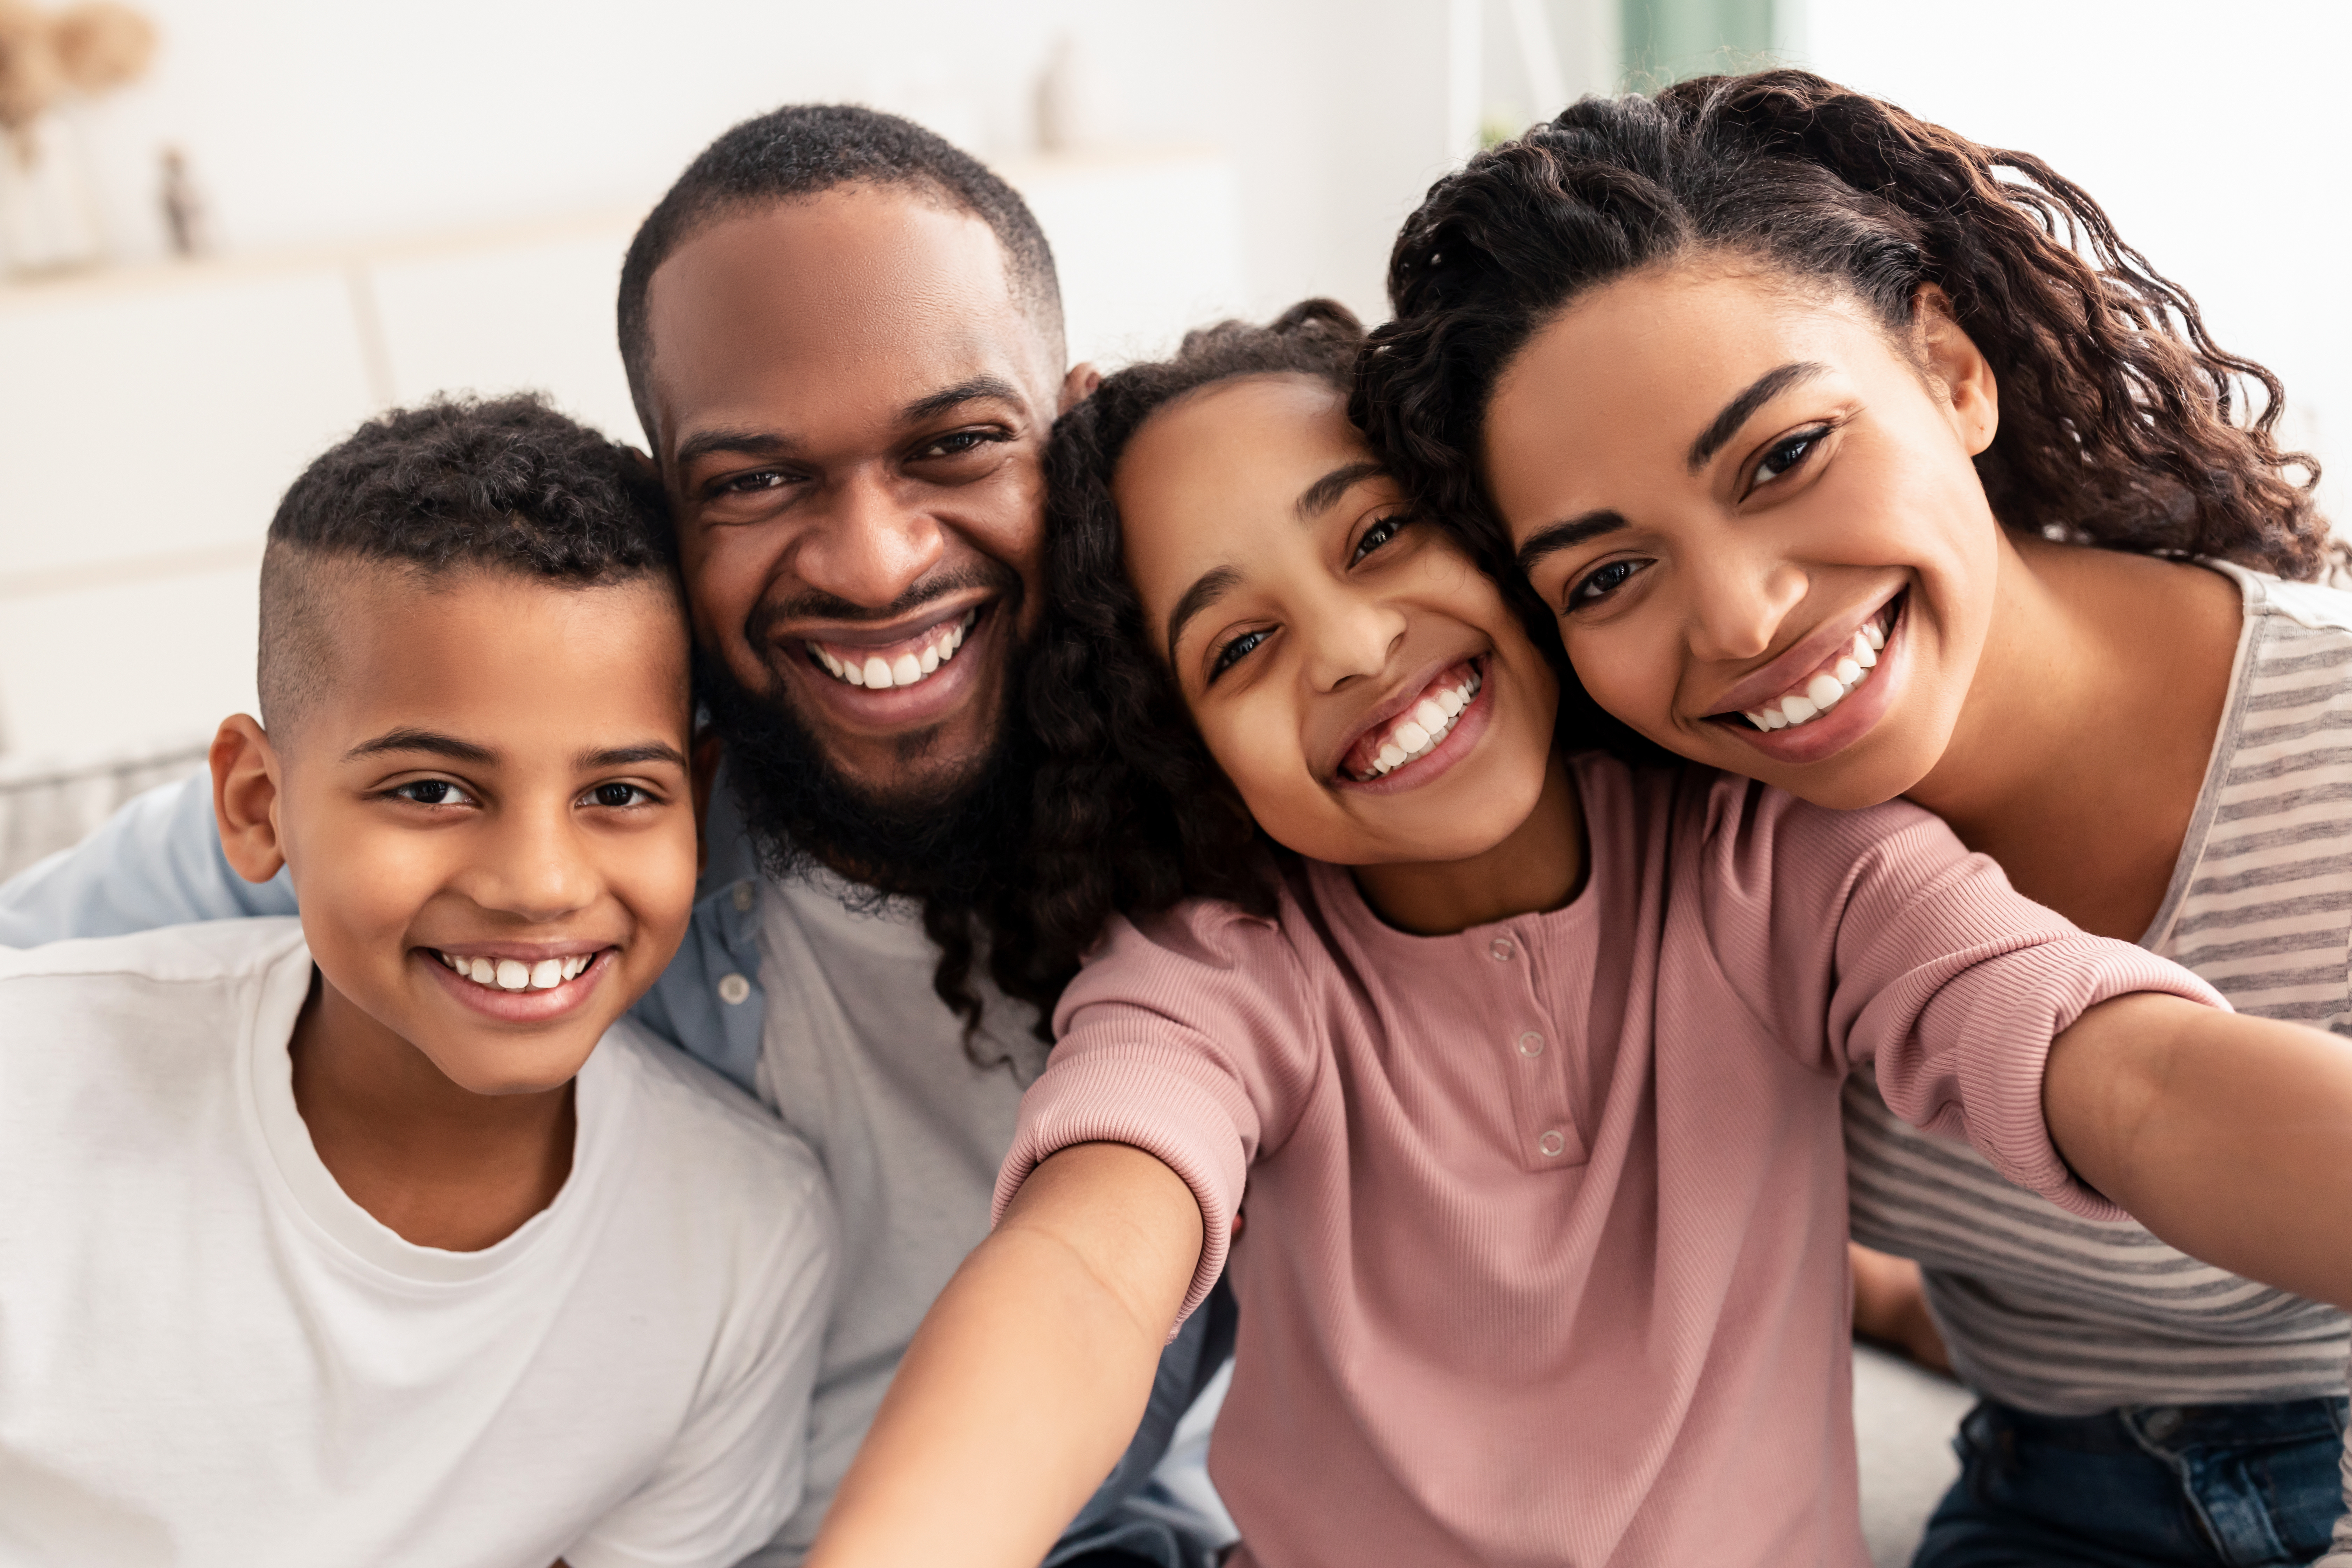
x=1836, y=465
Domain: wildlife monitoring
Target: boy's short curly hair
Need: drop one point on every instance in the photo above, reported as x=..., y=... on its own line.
x=505, y=484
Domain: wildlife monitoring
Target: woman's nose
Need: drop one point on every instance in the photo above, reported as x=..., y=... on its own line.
x=1738, y=606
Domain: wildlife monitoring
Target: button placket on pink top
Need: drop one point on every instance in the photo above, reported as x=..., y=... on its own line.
x=1533, y=1056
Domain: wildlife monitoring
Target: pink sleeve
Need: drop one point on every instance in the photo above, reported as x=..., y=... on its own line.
x=1190, y=1039
x=1876, y=936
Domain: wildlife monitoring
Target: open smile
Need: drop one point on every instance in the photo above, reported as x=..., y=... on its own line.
x=889, y=679
x=1420, y=734
x=1833, y=700
x=520, y=983
x=910, y=661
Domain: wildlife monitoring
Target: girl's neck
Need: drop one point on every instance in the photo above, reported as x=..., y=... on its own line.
x=2082, y=745
x=1540, y=865
x=437, y=1164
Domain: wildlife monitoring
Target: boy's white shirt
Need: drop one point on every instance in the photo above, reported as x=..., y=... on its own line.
x=210, y=1355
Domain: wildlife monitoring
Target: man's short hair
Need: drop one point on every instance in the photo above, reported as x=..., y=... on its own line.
x=804, y=150
x=507, y=484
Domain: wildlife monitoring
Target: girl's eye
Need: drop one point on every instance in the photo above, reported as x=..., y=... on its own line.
x=433, y=792
x=1380, y=533
x=618, y=795
x=1597, y=585
x=1787, y=453
x=1233, y=652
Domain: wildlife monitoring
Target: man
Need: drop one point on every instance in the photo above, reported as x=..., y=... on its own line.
x=844, y=339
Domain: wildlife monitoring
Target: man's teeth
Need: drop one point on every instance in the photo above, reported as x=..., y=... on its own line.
x=1419, y=728
x=906, y=669
x=514, y=974
x=1826, y=689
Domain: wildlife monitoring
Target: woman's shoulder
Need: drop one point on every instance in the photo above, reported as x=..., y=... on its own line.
x=2325, y=606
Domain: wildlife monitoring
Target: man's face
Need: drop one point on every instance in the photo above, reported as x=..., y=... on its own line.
x=852, y=409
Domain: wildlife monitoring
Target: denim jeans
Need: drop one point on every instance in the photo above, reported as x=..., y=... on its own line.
x=2212, y=1486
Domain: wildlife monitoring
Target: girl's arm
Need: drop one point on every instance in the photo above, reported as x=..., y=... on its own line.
x=2228, y=1136
x=1029, y=1374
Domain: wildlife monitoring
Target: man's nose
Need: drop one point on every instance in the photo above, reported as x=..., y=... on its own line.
x=1739, y=605
x=870, y=545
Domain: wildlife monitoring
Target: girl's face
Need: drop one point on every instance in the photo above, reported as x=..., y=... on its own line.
x=1360, y=682
x=1756, y=517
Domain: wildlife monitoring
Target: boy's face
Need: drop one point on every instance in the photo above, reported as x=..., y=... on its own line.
x=492, y=777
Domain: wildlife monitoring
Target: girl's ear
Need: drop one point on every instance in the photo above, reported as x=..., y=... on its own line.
x=245, y=787
x=1957, y=367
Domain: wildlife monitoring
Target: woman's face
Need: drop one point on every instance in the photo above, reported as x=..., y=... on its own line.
x=1360, y=682
x=1755, y=514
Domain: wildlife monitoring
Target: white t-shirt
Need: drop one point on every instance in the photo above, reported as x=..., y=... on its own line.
x=210, y=1355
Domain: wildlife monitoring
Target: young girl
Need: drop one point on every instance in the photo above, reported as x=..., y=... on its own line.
x=1759, y=367
x=1528, y=1064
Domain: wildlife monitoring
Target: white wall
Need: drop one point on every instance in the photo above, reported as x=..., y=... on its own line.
x=2215, y=135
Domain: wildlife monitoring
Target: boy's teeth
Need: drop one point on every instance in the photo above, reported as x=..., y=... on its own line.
x=1421, y=726
x=905, y=669
x=513, y=975
x=1827, y=689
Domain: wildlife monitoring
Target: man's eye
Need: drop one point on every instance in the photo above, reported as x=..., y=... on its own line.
x=617, y=796
x=957, y=443
x=1787, y=453
x=1380, y=533
x=1597, y=585
x=747, y=484
x=1234, y=651
x=433, y=792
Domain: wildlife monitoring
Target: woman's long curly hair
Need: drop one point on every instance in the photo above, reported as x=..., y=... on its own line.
x=1131, y=813
x=2122, y=424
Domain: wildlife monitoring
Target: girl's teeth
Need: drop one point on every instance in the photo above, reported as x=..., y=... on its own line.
x=481, y=972
x=1827, y=689
x=1872, y=634
x=1427, y=723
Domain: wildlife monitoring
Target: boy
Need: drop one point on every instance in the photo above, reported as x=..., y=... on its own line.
x=343, y=1242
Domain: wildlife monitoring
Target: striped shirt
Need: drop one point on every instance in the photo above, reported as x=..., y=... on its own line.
x=2051, y=1312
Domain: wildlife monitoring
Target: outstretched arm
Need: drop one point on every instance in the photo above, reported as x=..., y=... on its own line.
x=2228, y=1136
x=1029, y=1374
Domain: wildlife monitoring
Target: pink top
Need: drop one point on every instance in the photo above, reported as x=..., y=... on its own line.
x=1546, y=1252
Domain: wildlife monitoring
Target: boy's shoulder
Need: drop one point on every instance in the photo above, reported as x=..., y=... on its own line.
x=210, y=952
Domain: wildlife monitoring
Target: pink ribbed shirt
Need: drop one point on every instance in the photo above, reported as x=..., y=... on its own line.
x=1546, y=1253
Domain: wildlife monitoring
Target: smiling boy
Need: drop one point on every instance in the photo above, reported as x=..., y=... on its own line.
x=380, y=1238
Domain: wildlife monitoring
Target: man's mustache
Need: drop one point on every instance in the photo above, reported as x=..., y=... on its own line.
x=816, y=606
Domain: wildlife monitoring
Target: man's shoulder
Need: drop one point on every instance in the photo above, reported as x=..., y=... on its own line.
x=209, y=952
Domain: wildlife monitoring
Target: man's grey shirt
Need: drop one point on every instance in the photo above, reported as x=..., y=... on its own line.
x=826, y=1012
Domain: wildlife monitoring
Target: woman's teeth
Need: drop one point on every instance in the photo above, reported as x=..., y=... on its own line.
x=1828, y=686
x=907, y=668
x=1416, y=731
x=514, y=974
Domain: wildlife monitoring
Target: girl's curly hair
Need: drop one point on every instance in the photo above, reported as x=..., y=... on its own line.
x=2122, y=424
x=1131, y=813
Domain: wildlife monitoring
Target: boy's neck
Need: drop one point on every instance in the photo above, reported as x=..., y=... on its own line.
x=2081, y=748
x=1540, y=865
x=439, y=1165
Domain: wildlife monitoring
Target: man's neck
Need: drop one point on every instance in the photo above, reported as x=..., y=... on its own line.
x=438, y=1164
x=2081, y=748
x=1540, y=865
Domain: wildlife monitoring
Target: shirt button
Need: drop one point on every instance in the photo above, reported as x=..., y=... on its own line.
x=746, y=896
x=1552, y=1144
x=733, y=989
x=1500, y=947
x=1530, y=1044
x=2165, y=1423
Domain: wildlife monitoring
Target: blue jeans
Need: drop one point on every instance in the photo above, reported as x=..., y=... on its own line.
x=2201, y=1486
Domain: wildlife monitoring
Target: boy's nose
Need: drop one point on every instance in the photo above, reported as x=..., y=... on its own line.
x=868, y=546
x=536, y=873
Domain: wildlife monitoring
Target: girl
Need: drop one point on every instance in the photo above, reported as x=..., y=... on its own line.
x=1529, y=1064
x=1836, y=465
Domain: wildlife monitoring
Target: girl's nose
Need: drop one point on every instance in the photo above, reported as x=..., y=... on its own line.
x=1350, y=639
x=1738, y=607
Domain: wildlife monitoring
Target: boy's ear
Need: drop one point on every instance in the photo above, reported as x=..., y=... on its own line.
x=245, y=787
x=706, y=750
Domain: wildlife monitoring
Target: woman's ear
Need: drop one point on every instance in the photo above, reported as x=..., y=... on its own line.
x=245, y=787
x=1957, y=367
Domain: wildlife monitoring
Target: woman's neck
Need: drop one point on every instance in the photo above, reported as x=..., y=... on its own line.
x=1540, y=865
x=2082, y=745
x=437, y=1164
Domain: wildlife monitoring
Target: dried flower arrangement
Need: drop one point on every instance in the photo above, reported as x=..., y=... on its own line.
x=46, y=56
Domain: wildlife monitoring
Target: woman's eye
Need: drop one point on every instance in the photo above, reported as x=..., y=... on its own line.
x=1233, y=652
x=433, y=792
x=1785, y=454
x=617, y=796
x=1380, y=533
x=1597, y=585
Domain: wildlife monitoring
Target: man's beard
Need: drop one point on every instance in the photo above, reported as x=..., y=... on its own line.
x=948, y=839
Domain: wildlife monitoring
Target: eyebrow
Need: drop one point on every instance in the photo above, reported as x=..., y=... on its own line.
x=1206, y=590
x=622, y=756
x=1324, y=493
x=1761, y=391
x=972, y=391
x=751, y=443
x=1559, y=536
x=411, y=740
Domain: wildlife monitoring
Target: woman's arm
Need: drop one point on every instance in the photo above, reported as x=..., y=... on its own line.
x=1029, y=1374
x=2228, y=1136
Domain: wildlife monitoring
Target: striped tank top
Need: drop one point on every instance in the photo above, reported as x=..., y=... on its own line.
x=2066, y=1316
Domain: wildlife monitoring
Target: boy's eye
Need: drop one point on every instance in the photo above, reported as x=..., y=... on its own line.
x=1597, y=585
x=433, y=792
x=617, y=796
x=1232, y=653
x=1787, y=453
x=1380, y=533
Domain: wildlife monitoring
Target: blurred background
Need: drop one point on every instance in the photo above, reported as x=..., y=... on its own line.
x=230, y=229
